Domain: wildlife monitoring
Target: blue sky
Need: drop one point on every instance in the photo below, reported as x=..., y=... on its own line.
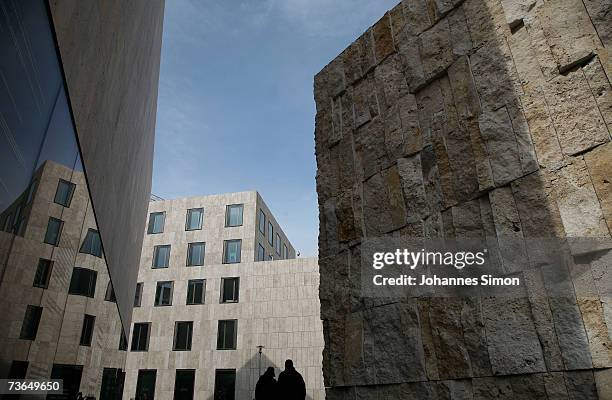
x=235, y=107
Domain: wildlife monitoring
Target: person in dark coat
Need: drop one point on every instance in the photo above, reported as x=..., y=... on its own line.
x=291, y=385
x=267, y=387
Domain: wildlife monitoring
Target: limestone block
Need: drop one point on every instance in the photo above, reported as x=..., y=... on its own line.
x=411, y=176
x=430, y=105
x=517, y=10
x=581, y=385
x=365, y=102
x=526, y=151
x=541, y=48
x=598, y=334
x=435, y=48
x=526, y=60
x=369, y=147
x=599, y=164
x=383, y=206
x=390, y=78
x=345, y=217
x=408, y=49
x=554, y=382
x=529, y=387
x=417, y=16
x=484, y=173
x=333, y=75
x=410, y=126
x=497, y=388
x=427, y=337
x=431, y=180
x=475, y=337
x=459, y=32
x=601, y=89
x=368, y=58
x=486, y=21
x=351, y=61
x=464, y=90
x=397, y=21
x=383, y=38
x=603, y=381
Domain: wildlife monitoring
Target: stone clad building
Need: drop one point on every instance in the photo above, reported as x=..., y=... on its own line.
x=218, y=278
x=486, y=119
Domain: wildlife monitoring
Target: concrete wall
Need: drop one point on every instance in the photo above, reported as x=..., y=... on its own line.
x=110, y=52
x=478, y=118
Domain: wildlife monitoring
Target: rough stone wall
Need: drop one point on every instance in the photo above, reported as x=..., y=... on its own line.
x=475, y=118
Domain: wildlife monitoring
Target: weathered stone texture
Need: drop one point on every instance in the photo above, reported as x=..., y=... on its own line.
x=482, y=119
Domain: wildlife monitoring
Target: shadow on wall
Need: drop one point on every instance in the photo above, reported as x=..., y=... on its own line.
x=472, y=119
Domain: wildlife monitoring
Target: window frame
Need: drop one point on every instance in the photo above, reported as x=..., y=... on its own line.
x=189, y=343
x=109, y=295
x=72, y=187
x=190, y=246
x=147, y=339
x=91, y=284
x=49, y=269
x=89, y=240
x=59, y=231
x=261, y=249
x=157, y=288
x=187, y=219
x=87, y=336
x=285, y=251
x=32, y=332
x=150, y=228
x=138, y=294
x=227, y=214
x=195, y=281
x=236, y=290
x=262, y=219
x=277, y=245
x=225, y=322
x=225, y=254
x=155, y=250
x=271, y=233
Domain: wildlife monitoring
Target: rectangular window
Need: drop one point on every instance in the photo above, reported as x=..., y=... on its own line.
x=194, y=219
x=233, y=215
x=163, y=294
x=285, y=252
x=270, y=233
x=123, y=345
x=262, y=222
x=261, y=252
x=156, y=222
x=183, y=332
x=195, y=291
x=138, y=294
x=18, y=370
x=83, y=282
x=231, y=251
x=63, y=193
x=110, y=293
x=229, y=290
x=43, y=273
x=31, y=320
x=184, y=384
x=54, y=231
x=140, y=336
x=92, y=243
x=87, y=330
x=195, y=254
x=226, y=334
x=278, y=244
x=161, y=256
x=225, y=384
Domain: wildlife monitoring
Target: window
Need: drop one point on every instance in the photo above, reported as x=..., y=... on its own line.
x=138, y=294
x=183, y=332
x=285, y=252
x=225, y=384
x=156, y=222
x=63, y=193
x=229, y=290
x=270, y=233
x=31, y=190
x=278, y=244
x=195, y=254
x=184, y=384
x=140, y=336
x=231, y=251
x=233, y=215
x=43, y=272
x=194, y=219
x=110, y=293
x=226, y=334
x=161, y=256
x=195, y=291
x=83, y=282
x=18, y=370
x=262, y=222
x=87, y=330
x=163, y=294
x=261, y=253
x=54, y=231
x=123, y=345
x=92, y=243
x=31, y=320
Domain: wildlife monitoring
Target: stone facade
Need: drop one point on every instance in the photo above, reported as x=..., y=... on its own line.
x=278, y=304
x=478, y=118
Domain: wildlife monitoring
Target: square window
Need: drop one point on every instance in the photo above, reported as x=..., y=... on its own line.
x=262, y=222
x=83, y=282
x=194, y=219
x=156, y=222
x=261, y=252
x=233, y=215
x=31, y=320
x=92, y=243
x=63, y=193
x=43, y=273
x=270, y=233
x=227, y=334
x=54, y=231
x=161, y=256
x=163, y=294
x=87, y=330
x=195, y=254
x=138, y=294
x=229, y=290
x=231, y=251
x=183, y=332
x=110, y=293
x=195, y=291
x=140, y=336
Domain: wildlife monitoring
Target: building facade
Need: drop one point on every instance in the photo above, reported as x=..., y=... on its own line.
x=218, y=278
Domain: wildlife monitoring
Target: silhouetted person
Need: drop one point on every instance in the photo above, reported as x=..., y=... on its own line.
x=267, y=387
x=291, y=385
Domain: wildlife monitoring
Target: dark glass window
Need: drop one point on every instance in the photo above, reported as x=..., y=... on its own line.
x=123, y=344
x=163, y=294
x=278, y=244
x=183, y=332
x=262, y=222
x=195, y=291
x=285, y=252
x=156, y=222
x=194, y=219
x=110, y=293
x=261, y=252
x=83, y=282
x=92, y=243
x=231, y=251
x=195, y=254
x=31, y=320
x=270, y=233
x=226, y=334
x=18, y=370
x=140, y=336
x=229, y=290
x=43, y=273
x=54, y=231
x=87, y=330
x=138, y=294
x=63, y=194
x=161, y=256
x=225, y=384
x=233, y=215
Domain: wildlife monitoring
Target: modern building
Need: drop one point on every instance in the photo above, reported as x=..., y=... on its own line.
x=218, y=279
x=78, y=90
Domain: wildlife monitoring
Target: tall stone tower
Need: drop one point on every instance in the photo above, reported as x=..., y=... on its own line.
x=479, y=118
